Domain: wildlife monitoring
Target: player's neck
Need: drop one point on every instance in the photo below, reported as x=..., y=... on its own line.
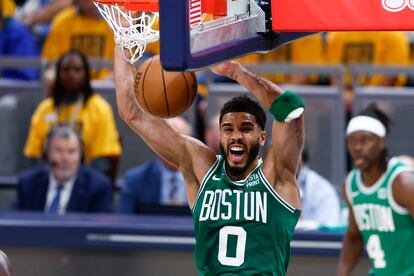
x=371, y=175
x=240, y=176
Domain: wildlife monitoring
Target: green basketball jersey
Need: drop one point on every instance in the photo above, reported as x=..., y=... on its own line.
x=387, y=229
x=241, y=227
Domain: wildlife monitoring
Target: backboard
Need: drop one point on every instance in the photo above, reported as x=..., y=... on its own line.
x=195, y=33
x=239, y=27
x=251, y=26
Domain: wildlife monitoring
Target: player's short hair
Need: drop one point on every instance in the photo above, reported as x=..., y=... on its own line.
x=372, y=110
x=245, y=104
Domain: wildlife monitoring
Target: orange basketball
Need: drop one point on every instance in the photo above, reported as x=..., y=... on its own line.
x=163, y=93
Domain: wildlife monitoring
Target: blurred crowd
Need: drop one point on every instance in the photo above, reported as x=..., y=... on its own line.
x=73, y=141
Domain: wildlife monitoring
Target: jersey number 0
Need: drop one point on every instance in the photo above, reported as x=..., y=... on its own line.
x=241, y=234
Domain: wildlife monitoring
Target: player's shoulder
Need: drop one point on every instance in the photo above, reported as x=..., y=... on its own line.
x=400, y=173
x=405, y=177
x=202, y=158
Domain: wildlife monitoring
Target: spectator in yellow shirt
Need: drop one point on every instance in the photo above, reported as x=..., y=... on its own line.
x=374, y=48
x=80, y=27
x=307, y=50
x=74, y=103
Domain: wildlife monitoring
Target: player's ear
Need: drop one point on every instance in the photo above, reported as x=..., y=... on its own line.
x=262, y=139
x=382, y=143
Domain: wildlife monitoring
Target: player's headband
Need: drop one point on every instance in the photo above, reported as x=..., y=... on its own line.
x=366, y=123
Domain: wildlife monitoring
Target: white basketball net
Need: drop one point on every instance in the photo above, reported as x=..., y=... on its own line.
x=134, y=35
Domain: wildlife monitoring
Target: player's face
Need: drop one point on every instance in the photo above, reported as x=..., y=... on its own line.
x=72, y=74
x=240, y=142
x=64, y=156
x=365, y=148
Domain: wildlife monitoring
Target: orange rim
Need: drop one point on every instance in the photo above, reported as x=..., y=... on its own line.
x=217, y=7
x=112, y=2
x=133, y=5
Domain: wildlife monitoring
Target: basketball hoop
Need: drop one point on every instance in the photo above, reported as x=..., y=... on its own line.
x=132, y=31
x=132, y=21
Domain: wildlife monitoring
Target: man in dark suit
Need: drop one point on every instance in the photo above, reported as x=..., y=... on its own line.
x=155, y=187
x=64, y=184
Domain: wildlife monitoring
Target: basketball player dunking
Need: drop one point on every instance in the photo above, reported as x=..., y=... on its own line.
x=245, y=208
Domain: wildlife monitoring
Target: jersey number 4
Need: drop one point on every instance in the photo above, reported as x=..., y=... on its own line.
x=241, y=235
x=375, y=251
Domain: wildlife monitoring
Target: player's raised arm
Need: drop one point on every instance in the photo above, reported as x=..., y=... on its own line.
x=165, y=141
x=189, y=155
x=283, y=158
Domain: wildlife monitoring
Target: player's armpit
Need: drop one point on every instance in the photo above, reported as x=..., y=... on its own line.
x=403, y=191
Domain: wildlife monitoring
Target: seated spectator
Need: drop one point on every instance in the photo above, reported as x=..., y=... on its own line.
x=38, y=14
x=156, y=186
x=16, y=40
x=320, y=202
x=73, y=102
x=64, y=185
x=89, y=33
x=5, y=266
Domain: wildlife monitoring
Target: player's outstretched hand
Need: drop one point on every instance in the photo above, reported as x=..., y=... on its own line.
x=226, y=69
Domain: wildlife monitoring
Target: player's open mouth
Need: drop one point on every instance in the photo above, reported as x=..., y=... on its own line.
x=237, y=153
